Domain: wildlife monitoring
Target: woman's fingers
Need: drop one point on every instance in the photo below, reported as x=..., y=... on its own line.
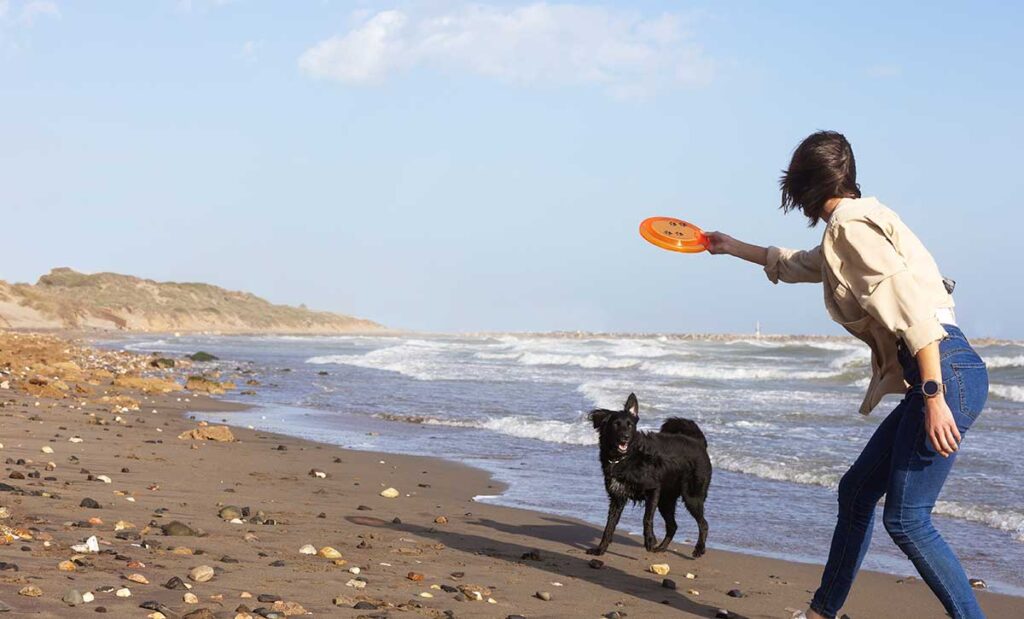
x=951, y=437
x=939, y=443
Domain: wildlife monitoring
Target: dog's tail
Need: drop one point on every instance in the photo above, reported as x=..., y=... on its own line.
x=678, y=425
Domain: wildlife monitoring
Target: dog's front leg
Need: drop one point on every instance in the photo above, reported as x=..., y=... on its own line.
x=651, y=503
x=614, y=513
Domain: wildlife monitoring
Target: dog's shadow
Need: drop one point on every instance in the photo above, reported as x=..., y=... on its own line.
x=559, y=533
x=572, y=533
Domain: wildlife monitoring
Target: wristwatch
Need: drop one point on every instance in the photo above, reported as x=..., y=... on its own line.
x=932, y=388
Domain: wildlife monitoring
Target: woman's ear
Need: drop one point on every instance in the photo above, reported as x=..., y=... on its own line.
x=632, y=406
x=597, y=417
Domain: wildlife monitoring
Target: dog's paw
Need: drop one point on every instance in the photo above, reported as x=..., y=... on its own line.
x=698, y=552
x=595, y=551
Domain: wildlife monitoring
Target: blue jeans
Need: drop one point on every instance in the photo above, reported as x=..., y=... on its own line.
x=900, y=463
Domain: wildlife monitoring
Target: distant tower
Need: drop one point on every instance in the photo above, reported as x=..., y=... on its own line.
x=757, y=330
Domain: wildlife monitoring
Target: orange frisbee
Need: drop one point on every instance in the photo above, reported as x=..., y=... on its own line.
x=674, y=234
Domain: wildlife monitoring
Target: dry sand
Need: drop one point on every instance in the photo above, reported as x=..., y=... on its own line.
x=433, y=530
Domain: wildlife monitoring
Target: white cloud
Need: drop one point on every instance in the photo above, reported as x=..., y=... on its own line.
x=26, y=13
x=623, y=52
x=250, y=50
x=38, y=8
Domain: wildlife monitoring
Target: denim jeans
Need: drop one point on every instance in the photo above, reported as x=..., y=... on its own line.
x=900, y=463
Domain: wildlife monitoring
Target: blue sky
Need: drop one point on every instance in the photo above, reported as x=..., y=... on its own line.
x=455, y=166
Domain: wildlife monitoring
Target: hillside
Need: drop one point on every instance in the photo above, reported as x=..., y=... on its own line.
x=66, y=299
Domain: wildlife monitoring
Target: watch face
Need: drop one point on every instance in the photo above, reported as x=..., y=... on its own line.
x=930, y=388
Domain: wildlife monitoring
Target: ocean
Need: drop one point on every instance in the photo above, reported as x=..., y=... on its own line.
x=780, y=415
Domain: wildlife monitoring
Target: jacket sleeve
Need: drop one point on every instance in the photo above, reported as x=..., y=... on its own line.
x=878, y=277
x=793, y=267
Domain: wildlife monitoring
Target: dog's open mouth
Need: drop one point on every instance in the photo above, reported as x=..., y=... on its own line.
x=623, y=447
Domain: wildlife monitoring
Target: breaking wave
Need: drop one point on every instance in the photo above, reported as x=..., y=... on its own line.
x=1013, y=393
x=583, y=361
x=1004, y=362
x=547, y=430
x=1003, y=519
x=709, y=372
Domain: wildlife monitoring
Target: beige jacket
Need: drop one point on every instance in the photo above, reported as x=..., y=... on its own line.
x=880, y=283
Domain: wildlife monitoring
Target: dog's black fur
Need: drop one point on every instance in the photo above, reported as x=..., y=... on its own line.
x=656, y=468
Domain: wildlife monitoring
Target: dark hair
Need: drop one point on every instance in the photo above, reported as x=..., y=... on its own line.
x=822, y=168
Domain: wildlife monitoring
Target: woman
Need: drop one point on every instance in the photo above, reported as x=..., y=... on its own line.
x=883, y=286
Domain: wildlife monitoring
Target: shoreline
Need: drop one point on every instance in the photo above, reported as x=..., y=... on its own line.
x=442, y=539
x=493, y=498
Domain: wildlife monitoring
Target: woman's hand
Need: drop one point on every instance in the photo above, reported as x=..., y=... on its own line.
x=720, y=243
x=940, y=427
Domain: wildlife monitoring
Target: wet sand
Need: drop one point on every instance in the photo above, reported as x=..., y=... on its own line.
x=426, y=552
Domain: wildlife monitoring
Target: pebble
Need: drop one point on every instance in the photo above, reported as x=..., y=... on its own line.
x=90, y=545
x=440, y=520
x=722, y=614
x=89, y=503
x=317, y=474
x=978, y=583
x=356, y=584
x=268, y=598
x=414, y=576
x=139, y=578
x=668, y=583
x=596, y=564
x=735, y=593
x=543, y=595
x=328, y=552
x=73, y=598
x=123, y=592
x=88, y=597
x=308, y=549
x=176, y=528
x=390, y=493
x=66, y=566
x=46, y=449
x=661, y=569
x=104, y=479
x=175, y=583
x=201, y=573
x=354, y=570
x=190, y=598
x=230, y=512
x=426, y=594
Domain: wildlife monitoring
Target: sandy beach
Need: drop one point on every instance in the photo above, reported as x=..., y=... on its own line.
x=268, y=525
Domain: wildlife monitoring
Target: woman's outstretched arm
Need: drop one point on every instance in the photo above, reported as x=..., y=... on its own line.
x=780, y=265
x=721, y=243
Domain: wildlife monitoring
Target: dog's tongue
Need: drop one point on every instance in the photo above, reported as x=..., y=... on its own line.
x=624, y=446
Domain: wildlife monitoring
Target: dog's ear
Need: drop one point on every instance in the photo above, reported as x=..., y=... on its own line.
x=632, y=406
x=597, y=417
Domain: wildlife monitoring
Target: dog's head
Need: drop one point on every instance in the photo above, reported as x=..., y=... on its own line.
x=617, y=428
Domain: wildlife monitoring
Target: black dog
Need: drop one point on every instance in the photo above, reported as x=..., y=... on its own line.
x=656, y=468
